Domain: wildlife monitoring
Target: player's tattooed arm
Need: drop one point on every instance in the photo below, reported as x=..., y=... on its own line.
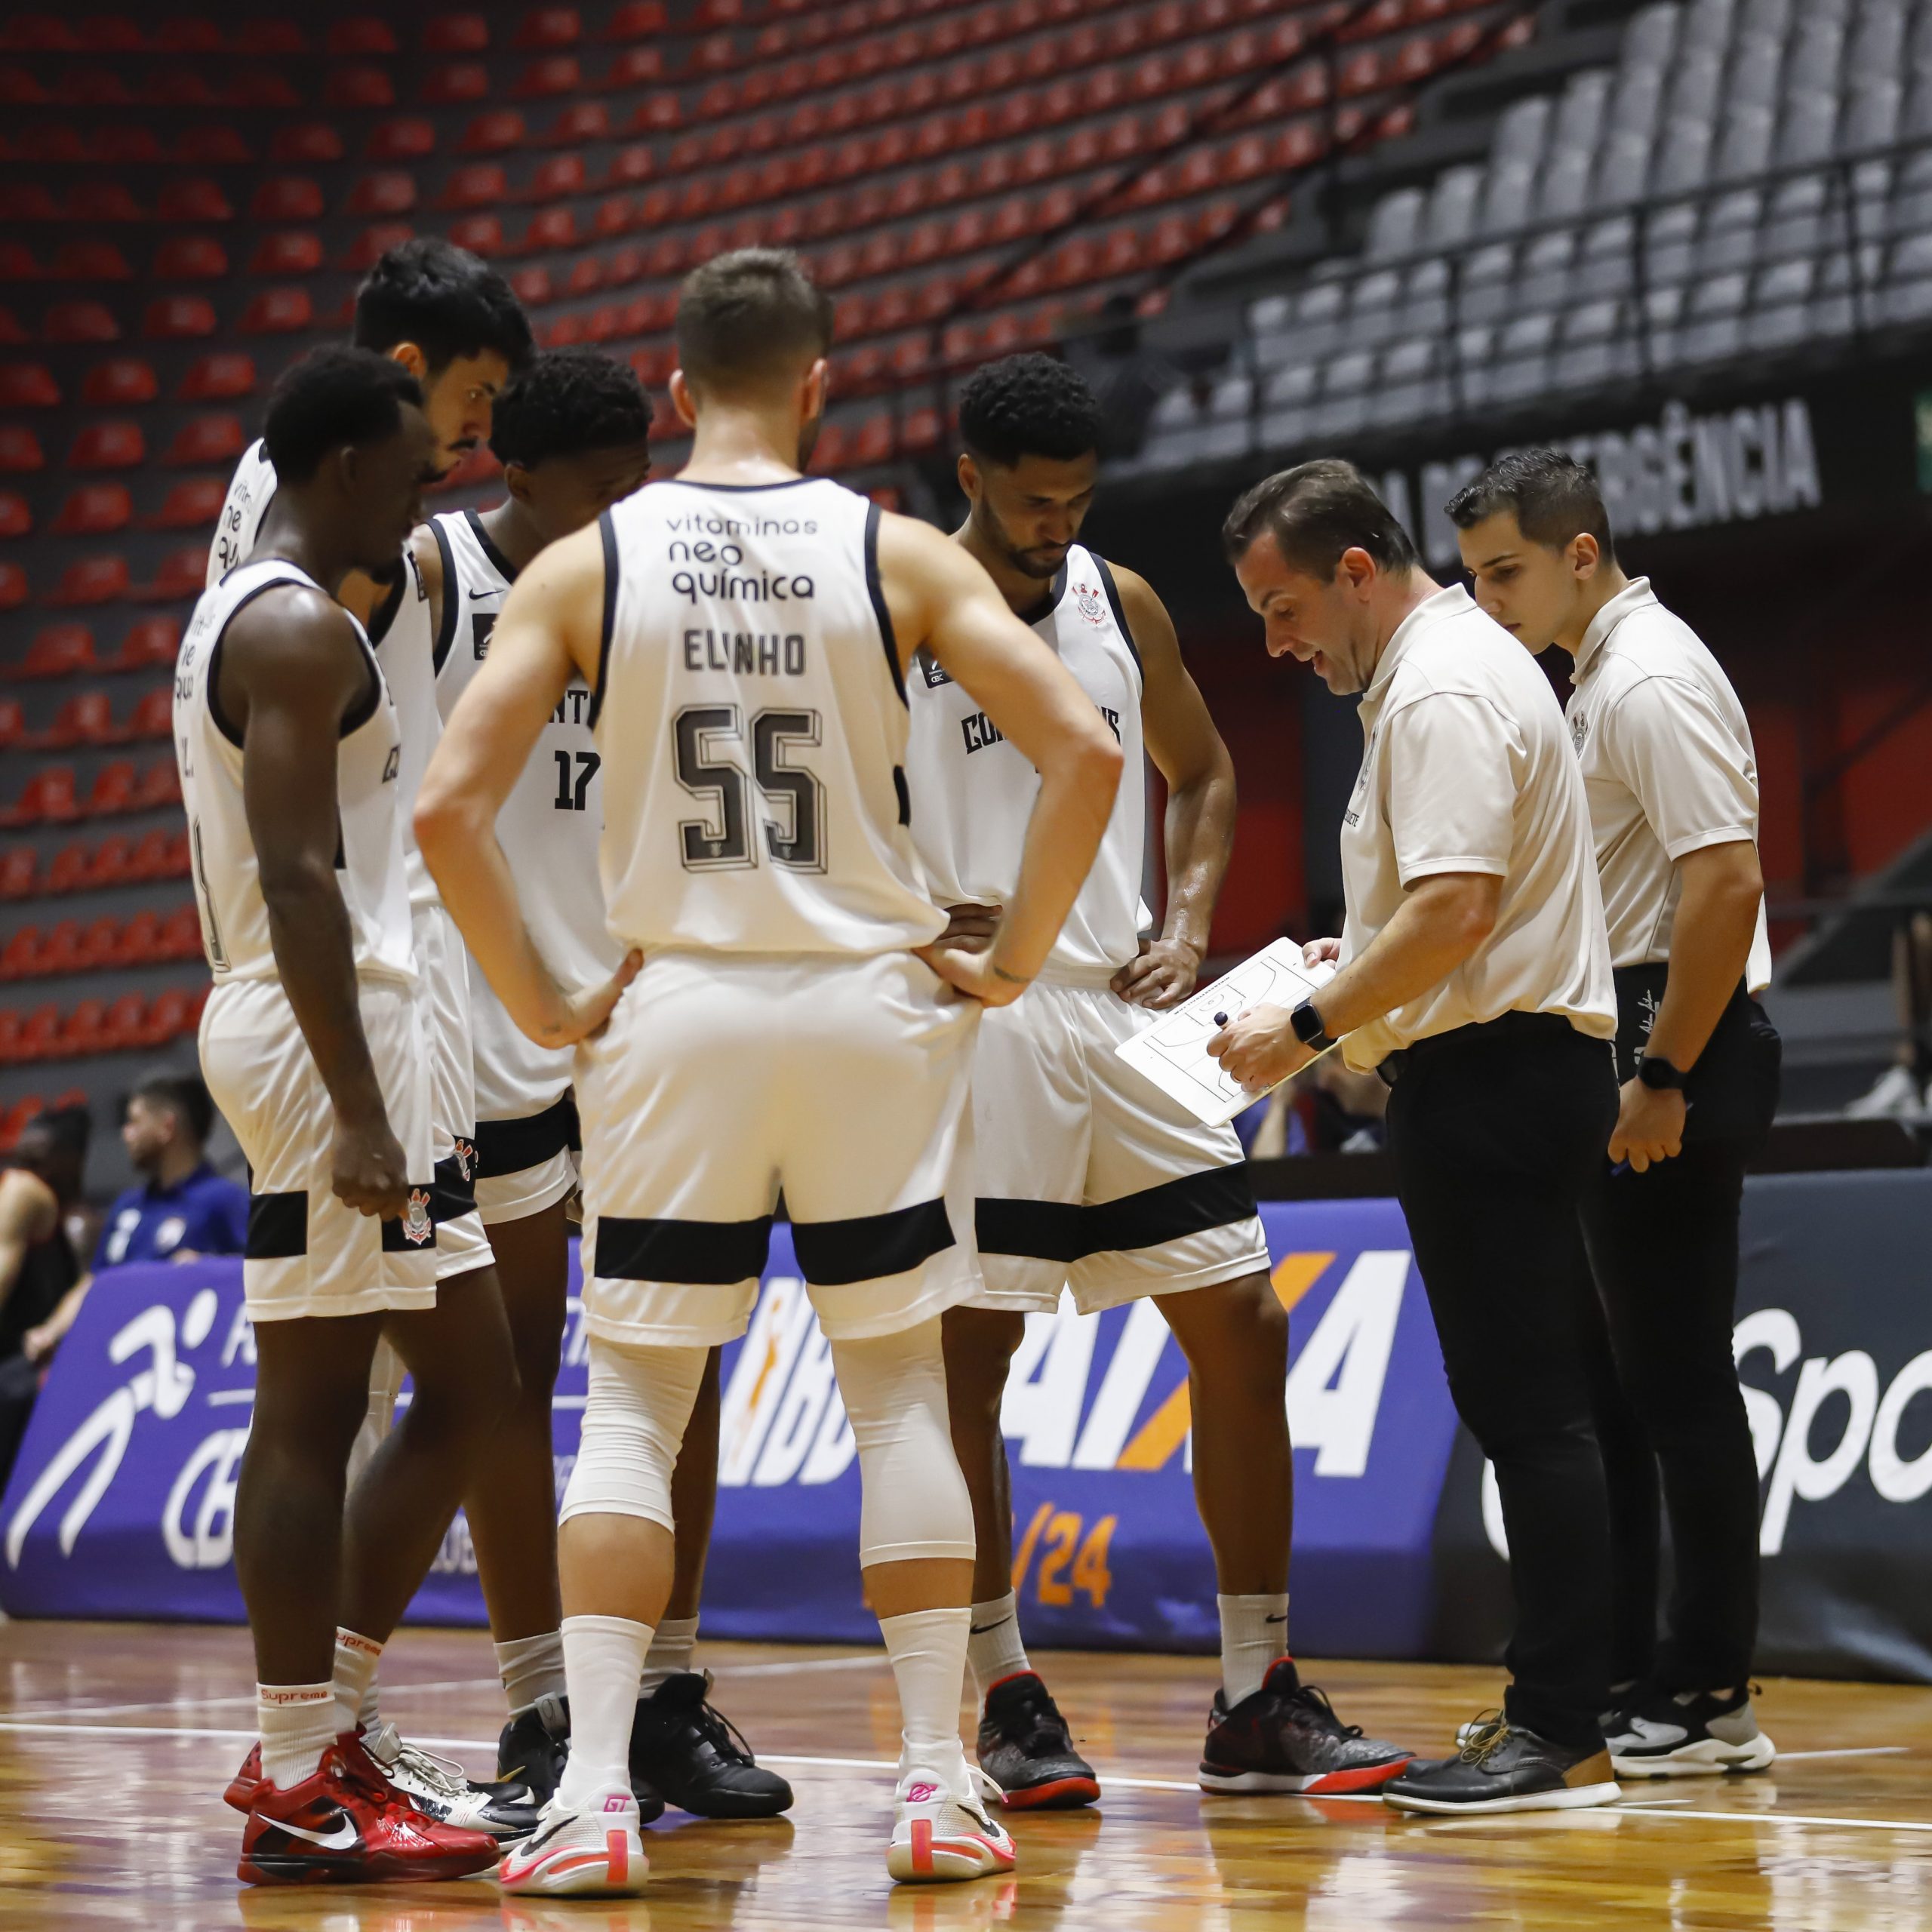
x=937, y=596
x=1188, y=751
x=551, y=629
x=291, y=670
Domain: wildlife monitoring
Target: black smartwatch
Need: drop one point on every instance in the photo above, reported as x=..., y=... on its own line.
x=1658, y=1074
x=1308, y=1028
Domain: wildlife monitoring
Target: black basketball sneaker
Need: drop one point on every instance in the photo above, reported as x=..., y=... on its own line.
x=1655, y=1734
x=1026, y=1749
x=535, y=1746
x=1286, y=1737
x=691, y=1755
x=1503, y=1768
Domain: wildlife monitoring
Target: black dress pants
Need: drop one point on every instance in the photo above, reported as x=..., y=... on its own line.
x=1662, y=1249
x=1496, y=1131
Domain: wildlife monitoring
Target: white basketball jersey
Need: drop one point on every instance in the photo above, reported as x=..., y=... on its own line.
x=250, y=492
x=972, y=792
x=369, y=866
x=549, y=828
x=400, y=634
x=753, y=724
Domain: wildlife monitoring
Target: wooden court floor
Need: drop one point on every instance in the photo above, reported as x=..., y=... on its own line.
x=116, y=1740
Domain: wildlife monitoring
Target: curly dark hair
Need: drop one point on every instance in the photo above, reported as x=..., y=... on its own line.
x=1029, y=404
x=447, y=301
x=566, y=401
x=334, y=396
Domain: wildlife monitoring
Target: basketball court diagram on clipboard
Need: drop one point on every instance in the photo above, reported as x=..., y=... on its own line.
x=1173, y=1052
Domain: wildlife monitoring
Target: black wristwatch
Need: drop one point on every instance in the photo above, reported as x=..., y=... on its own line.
x=1658, y=1074
x=1308, y=1028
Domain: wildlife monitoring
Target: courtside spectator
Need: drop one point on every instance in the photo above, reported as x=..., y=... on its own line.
x=37, y=1264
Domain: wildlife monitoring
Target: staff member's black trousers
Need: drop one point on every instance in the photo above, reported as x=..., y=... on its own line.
x=1663, y=1249
x=1496, y=1131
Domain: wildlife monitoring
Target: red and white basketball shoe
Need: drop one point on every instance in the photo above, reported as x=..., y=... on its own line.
x=938, y=1838
x=344, y=1825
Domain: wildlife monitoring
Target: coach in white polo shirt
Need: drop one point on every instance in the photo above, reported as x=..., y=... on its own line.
x=1474, y=972
x=1667, y=762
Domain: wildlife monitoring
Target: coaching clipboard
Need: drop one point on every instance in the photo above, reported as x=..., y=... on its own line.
x=1173, y=1052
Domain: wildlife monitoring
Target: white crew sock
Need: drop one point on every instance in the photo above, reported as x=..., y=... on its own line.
x=1254, y=1633
x=297, y=1723
x=671, y=1647
x=603, y=1660
x=994, y=1646
x=531, y=1667
x=356, y=1658
x=928, y=1648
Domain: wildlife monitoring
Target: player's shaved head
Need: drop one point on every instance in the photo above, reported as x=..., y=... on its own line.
x=751, y=321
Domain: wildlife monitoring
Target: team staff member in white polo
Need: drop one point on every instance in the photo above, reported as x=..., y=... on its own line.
x=1475, y=973
x=1672, y=783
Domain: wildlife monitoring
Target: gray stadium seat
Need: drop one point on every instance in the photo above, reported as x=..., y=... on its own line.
x=1564, y=187
x=1684, y=159
x=1547, y=272
x=1605, y=263
x=1487, y=291
x=1651, y=39
x=1706, y=24
x=1623, y=169
x=1872, y=112
x=1695, y=91
x=1522, y=130
x=1595, y=345
x=1780, y=304
x=1817, y=53
x=1471, y=365
x=1522, y=358
x=1731, y=232
x=1451, y=214
x=1670, y=243
x=1343, y=407
x=1662, y=310
x=1394, y=227
x=1756, y=64
x=1877, y=46
x=1907, y=296
x=1806, y=123
x=1373, y=316
x=1508, y=196
x=1636, y=103
x=1911, y=208
x=1714, y=321
x=1744, y=147
x=1286, y=404
x=1412, y=384
x=1426, y=297
x=1770, y=19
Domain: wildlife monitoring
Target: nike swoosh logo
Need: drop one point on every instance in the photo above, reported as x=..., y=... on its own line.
x=981, y=1629
x=344, y=1837
x=1282, y=1619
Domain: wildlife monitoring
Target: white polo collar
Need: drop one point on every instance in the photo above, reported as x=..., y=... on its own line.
x=1451, y=602
x=1633, y=596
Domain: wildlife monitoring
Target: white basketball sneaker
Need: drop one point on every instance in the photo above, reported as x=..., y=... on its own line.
x=592, y=1851
x=938, y=1837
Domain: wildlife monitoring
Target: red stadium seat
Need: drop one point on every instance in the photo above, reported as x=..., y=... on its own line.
x=268, y=39
x=180, y=934
x=358, y=87
x=481, y=234
x=635, y=67
x=360, y=33
x=634, y=19
x=548, y=27
x=478, y=184
x=390, y=192
x=278, y=311
x=11, y=333
x=19, y=959
x=175, y=317
x=372, y=245
x=261, y=87
x=196, y=198
x=407, y=140
x=216, y=438
x=85, y=718
x=306, y=143
x=20, y=452
x=80, y=321
x=550, y=228
x=92, y=580
x=28, y=386
x=532, y=287
x=545, y=79
x=561, y=175
x=68, y=870
x=108, y=863
x=125, y=1023
x=16, y=519
x=61, y=650
x=582, y=123
x=152, y=716
x=215, y=144
x=38, y=1034
x=188, y=34
x=460, y=82
x=218, y=378
x=126, y=379
x=455, y=33
x=13, y=723
x=182, y=573
x=181, y=257
x=113, y=790
x=495, y=133
x=293, y=251
x=91, y=259
x=107, y=200
x=13, y=586
x=193, y=502
x=151, y=643
x=287, y=198
x=84, y=1031
x=18, y=869
x=18, y=263
x=96, y=509
x=48, y=798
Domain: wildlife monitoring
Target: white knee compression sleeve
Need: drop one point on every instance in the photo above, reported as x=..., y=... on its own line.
x=634, y=1421
x=915, y=1500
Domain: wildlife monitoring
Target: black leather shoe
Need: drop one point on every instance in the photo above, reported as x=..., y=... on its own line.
x=1502, y=1768
x=692, y=1757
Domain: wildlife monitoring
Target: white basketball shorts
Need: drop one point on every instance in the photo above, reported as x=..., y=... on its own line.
x=527, y=1140
x=442, y=979
x=307, y=1253
x=724, y=1079
x=1091, y=1176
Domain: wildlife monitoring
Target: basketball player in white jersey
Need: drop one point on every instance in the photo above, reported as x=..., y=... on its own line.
x=1089, y=1178
x=572, y=431
x=745, y=632
x=290, y=752
x=451, y=321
